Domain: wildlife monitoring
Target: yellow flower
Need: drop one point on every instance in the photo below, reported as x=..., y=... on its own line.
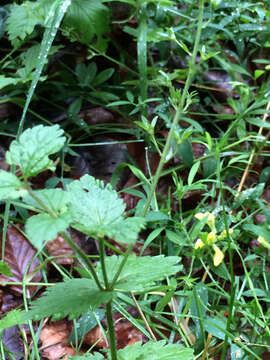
x=218, y=256
x=199, y=244
x=210, y=219
x=223, y=235
x=211, y=238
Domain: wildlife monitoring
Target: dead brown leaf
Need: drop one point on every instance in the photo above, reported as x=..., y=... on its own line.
x=19, y=254
x=58, y=247
x=125, y=332
x=54, y=339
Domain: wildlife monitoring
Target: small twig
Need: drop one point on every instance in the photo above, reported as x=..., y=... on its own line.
x=252, y=155
x=205, y=274
x=209, y=338
x=143, y=317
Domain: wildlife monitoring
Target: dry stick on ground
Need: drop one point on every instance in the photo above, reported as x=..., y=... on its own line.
x=253, y=154
x=183, y=323
x=143, y=317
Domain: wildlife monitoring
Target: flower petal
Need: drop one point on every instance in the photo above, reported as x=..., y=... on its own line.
x=218, y=256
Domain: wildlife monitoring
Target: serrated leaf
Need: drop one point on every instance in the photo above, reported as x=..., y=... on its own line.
x=55, y=199
x=140, y=273
x=155, y=350
x=95, y=356
x=13, y=317
x=73, y=297
x=96, y=210
x=22, y=20
x=88, y=18
x=31, y=151
x=10, y=186
x=43, y=227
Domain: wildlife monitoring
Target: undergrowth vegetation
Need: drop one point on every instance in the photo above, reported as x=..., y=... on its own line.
x=134, y=179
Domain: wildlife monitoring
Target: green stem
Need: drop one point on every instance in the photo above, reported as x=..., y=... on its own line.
x=83, y=256
x=40, y=202
x=102, y=261
x=179, y=111
x=113, y=347
x=116, y=276
x=120, y=64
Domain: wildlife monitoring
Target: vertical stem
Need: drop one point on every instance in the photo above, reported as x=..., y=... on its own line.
x=142, y=55
x=113, y=348
x=102, y=261
x=116, y=276
x=179, y=110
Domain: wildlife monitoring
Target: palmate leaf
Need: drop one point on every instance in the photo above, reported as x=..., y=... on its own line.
x=43, y=227
x=31, y=151
x=55, y=199
x=96, y=210
x=95, y=356
x=88, y=18
x=140, y=273
x=22, y=20
x=73, y=297
x=154, y=350
x=10, y=186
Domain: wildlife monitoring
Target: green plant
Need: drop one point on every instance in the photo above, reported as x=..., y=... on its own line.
x=94, y=209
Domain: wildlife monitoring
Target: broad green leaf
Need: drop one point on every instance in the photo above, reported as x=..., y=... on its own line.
x=186, y=153
x=10, y=186
x=72, y=297
x=155, y=350
x=97, y=210
x=249, y=194
x=88, y=18
x=5, y=81
x=147, y=351
x=93, y=203
x=54, y=199
x=43, y=227
x=13, y=317
x=140, y=273
x=22, y=20
x=209, y=166
x=31, y=151
x=215, y=326
x=265, y=175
